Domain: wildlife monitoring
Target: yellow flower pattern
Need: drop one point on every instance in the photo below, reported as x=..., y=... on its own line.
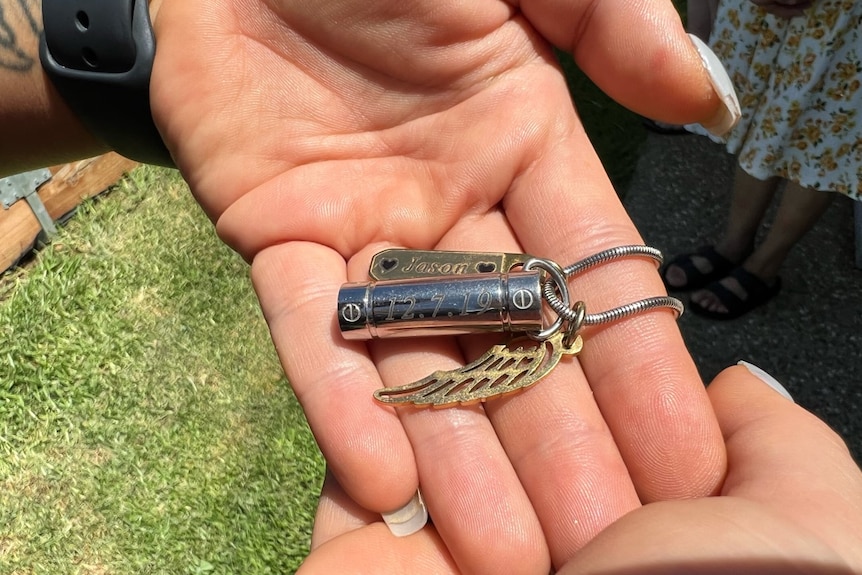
x=799, y=83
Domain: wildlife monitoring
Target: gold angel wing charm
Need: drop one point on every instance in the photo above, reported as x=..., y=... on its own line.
x=500, y=371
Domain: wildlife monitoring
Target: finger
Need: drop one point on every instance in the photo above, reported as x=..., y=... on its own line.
x=373, y=549
x=337, y=513
x=365, y=446
x=778, y=452
x=554, y=433
x=643, y=378
x=468, y=483
x=645, y=61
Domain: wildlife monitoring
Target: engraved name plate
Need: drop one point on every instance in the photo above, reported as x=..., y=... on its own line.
x=395, y=264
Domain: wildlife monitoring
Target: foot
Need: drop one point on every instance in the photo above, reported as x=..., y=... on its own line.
x=698, y=269
x=676, y=277
x=734, y=295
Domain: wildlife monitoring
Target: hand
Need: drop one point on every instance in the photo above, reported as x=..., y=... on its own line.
x=317, y=133
x=784, y=8
x=791, y=502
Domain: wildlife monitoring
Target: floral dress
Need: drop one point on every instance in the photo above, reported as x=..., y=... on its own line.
x=799, y=83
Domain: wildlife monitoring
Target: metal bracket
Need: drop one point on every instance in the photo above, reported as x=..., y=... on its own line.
x=25, y=186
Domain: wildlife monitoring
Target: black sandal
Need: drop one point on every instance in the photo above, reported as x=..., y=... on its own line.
x=721, y=266
x=757, y=291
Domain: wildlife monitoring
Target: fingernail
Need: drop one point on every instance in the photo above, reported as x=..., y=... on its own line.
x=409, y=519
x=730, y=113
x=766, y=378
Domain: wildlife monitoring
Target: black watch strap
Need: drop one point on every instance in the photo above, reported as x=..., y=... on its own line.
x=99, y=55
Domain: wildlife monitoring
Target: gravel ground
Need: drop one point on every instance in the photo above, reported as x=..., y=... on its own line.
x=810, y=336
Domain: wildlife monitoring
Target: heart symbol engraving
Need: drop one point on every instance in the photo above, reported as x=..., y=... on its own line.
x=486, y=267
x=389, y=264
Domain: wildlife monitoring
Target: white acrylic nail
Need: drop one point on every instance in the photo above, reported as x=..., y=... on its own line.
x=766, y=378
x=723, y=86
x=409, y=519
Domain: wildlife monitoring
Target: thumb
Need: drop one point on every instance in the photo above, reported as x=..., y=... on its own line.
x=785, y=458
x=638, y=53
x=791, y=501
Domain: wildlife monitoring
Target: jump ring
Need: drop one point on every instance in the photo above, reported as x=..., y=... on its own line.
x=569, y=314
x=558, y=276
x=579, y=311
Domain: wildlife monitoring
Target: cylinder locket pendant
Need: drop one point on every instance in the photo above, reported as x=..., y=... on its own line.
x=443, y=305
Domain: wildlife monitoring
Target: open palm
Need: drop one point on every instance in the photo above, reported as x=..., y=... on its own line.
x=317, y=133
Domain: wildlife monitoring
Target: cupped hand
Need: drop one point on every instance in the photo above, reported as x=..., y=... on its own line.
x=791, y=503
x=316, y=133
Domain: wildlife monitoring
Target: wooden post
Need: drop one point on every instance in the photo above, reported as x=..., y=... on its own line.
x=70, y=185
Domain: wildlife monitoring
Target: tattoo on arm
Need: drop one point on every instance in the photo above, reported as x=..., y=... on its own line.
x=13, y=55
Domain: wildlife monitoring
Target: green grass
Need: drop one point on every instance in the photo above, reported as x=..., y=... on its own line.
x=145, y=425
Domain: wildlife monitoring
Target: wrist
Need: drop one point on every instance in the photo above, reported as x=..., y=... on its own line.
x=99, y=57
x=38, y=128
